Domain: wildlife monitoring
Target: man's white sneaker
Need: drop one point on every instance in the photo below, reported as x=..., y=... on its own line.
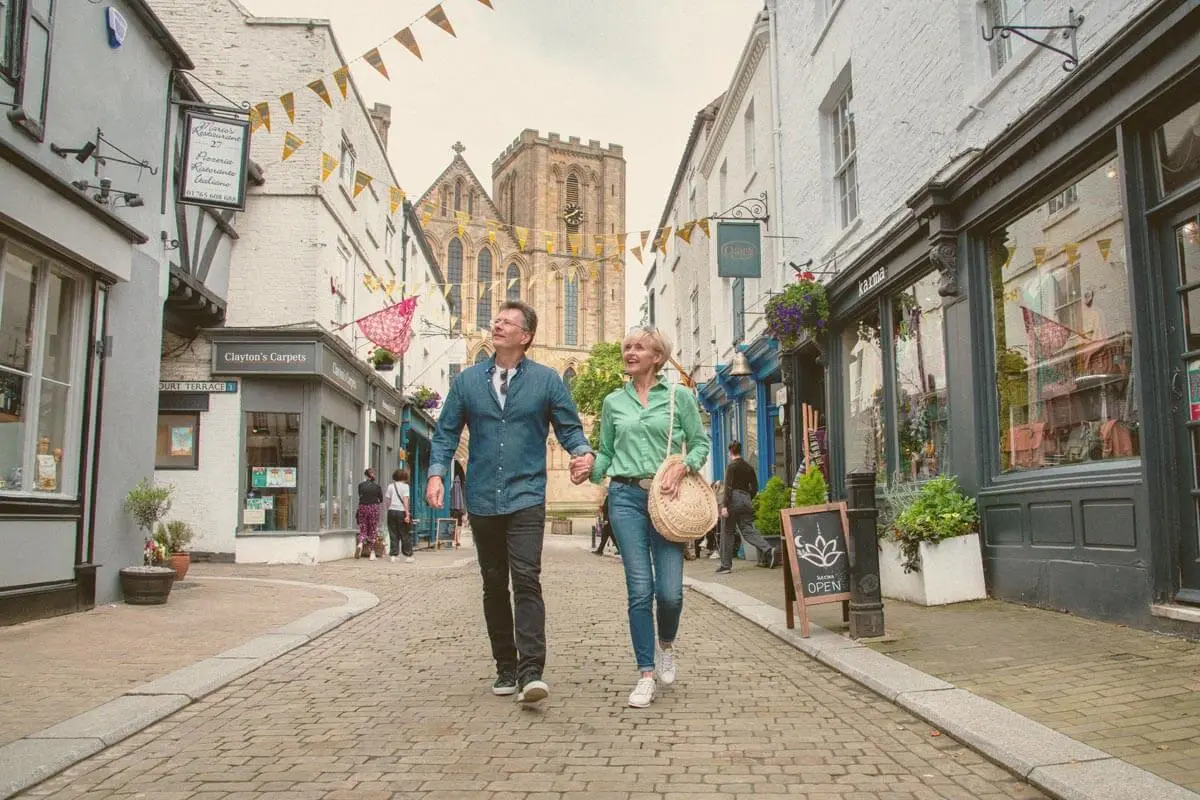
x=393, y=559
x=666, y=667
x=533, y=691
x=642, y=694
x=409, y=560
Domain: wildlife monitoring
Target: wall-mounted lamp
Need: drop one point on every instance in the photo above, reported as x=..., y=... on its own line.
x=739, y=365
x=82, y=154
x=106, y=196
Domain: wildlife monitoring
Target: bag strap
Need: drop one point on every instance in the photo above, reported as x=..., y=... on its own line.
x=671, y=425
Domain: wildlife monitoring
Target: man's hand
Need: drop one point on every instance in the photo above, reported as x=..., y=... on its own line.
x=435, y=492
x=581, y=467
x=672, y=478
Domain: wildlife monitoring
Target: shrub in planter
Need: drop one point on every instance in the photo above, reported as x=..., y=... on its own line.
x=809, y=488
x=383, y=360
x=149, y=584
x=176, y=536
x=939, y=511
x=767, y=505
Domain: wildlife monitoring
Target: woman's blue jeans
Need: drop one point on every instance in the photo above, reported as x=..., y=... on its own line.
x=653, y=571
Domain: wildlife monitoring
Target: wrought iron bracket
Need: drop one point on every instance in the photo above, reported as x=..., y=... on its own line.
x=752, y=209
x=1071, y=59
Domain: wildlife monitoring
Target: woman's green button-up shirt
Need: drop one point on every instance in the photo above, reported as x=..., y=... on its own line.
x=633, y=438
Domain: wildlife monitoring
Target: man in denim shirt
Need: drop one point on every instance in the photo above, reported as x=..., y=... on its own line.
x=509, y=403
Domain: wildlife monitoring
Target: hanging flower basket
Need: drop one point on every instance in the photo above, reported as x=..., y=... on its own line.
x=382, y=360
x=800, y=310
x=426, y=398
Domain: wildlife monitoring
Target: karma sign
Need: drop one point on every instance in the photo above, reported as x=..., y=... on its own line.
x=739, y=250
x=818, y=561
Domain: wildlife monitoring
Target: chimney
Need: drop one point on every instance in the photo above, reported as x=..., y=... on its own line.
x=381, y=115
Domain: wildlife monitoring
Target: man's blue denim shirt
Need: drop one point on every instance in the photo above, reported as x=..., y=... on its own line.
x=506, y=466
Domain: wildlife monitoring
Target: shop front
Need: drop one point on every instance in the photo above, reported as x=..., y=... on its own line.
x=1029, y=330
x=384, y=416
x=303, y=426
x=416, y=431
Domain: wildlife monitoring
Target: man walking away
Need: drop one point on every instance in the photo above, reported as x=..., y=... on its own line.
x=737, y=509
x=509, y=403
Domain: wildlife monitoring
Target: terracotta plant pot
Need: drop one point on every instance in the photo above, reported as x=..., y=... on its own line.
x=180, y=563
x=146, y=586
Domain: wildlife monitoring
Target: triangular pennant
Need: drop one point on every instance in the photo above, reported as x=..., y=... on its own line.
x=291, y=143
x=703, y=223
x=255, y=120
x=616, y=265
x=395, y=198
x=645, y=238
x=487, y=3
x=663, y=238
x=437, y=16
x=574, y=242
x=551, y=241
x=1105, y=246
x=462, y=219
x=637, y=253
x=1039, y=254
x=426, y=213
x=361, y=181
x=446, y=289
x=597, y=246
x=492, y=227
x=263, y=110
x=406, y=38
x=522, y=235
x=685, y=232
x=1072, y=251
x=621, y=237
x=318, y=86
x=1010, y=252
x=328, y=165
x=342, y=78
x=288, y=101
x=594, y=272
x=373, y=58
x=368, y=282
x=513, y=281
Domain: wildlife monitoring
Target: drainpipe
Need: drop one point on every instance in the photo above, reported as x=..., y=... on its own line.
x=776, y=136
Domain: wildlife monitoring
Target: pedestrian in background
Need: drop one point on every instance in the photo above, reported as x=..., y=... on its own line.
x=633, y=445
x=737, y=510
x=370, y=498
x=398, y=501
x=606, y=531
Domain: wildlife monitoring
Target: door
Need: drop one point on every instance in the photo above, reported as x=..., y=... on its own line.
x=1183, y=269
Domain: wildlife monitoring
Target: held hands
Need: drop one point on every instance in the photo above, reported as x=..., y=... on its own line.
x=581, y=467
x=724, y=512
x=434, y=492
x=672, y=478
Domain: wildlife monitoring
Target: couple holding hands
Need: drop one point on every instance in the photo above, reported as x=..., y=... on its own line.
x=509, y=404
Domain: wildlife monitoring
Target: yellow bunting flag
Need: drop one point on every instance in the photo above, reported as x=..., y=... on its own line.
x=685, y=232
x=342, y=78
x=522, y=235
x=328, y=165
x=1039, y=254
x=369, y=282
x=1072, y=251
x=621, y=237
x=426, y=213
x=1105, y=246
x=288, y=101
x=551, y=241
x=391, y=287
x=1009, y=253
x=446, y=289
x=291, y=143
x=616, y=265
x=513, y=281
x=645, y=238
x=487, y=3
x=663, y=239
x=373, y=58
x=361, y=181
x=637, y=253
x=262, y=113
x=594, y=272
x=597, y=246
x=318, y=86
x=574, y=243
x=703, y=223
x=437, y=16
x=462, y=218
x=406, y=38
x=492, y=227
x=395, y=198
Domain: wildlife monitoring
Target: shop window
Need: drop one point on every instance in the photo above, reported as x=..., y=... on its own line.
x=40, y=319
x=178, y=443
x=921, y=412
x=272, y=467
x=863, y=389
x=1177, y=148
x=1064, y=332
x=338, y=479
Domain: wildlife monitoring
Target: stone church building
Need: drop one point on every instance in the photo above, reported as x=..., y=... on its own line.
x=534, y=238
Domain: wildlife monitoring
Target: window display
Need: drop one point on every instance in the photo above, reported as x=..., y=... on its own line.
x=177, y=443
x=922, y=413
x=863, y=391
x=272, y=467
x=338, y=478
x=1064, y=330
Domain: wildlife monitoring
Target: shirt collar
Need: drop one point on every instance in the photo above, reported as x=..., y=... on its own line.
x=491, y=370
x=661, y=383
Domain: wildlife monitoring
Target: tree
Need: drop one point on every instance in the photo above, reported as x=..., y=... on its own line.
x=600, y=375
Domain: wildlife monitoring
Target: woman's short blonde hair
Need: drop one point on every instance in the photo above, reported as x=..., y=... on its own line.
x=654, y=338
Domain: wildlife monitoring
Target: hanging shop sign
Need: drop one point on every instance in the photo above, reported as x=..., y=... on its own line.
x=739, y=250
x=216, y=151
x=817, y=566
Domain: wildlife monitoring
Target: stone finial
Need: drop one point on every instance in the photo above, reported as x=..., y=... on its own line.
x=458, y=148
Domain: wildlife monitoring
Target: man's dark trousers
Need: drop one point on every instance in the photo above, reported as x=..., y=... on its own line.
x=511, y=544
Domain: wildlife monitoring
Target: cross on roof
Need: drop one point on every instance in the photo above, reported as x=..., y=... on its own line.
x=458, y=148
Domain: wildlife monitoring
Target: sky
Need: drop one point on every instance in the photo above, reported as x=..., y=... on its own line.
x=628, y=72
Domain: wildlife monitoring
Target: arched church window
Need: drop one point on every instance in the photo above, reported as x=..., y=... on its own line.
x=513, y=283
x=458, y=187
x=454, y=276
x=482, y=356
x=571, y=310
x=569, y=377
x=483, y=273
x=572, y=200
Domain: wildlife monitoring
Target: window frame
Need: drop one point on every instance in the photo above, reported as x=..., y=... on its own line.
x=18, y=72
x=194, y=458
x=844, y=138
x=347, y=166
x=454, y=295
x=571, y=310
x=483, y=303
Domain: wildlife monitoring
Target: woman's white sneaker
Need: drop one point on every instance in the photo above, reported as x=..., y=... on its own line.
x=642, y=694
x=666, y=667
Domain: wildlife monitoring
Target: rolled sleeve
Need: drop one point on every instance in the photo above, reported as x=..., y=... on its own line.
x=447, y=433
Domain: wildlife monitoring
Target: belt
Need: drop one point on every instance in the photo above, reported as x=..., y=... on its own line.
x=642, y=483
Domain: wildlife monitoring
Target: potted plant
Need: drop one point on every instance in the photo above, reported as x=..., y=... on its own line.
x=767, y=504
x=930, y=552
x=809, y=488
x=561, y=525
x=383, y=360
x=799, y=311
x=176, y=536
x=149, y=584
x=426, y=398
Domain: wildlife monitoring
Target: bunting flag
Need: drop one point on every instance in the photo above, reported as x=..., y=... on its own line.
x=373, y=58
x=426, y=213
x=663, y=238
x=391, y=287
x=395, y=198
x=1105, y=247
x=597, y=246
x=261, y=115
x=361, y=181
x=437, y=16
x=462, y=218
x=685, y=232
x=1072, y=251
x=703, y=223
x=342, y=78
x=645, y=238
x=1009, y=253
x=1039, y=254
x=492, y=227
x=1046, y=336
x=513, y=281
x=487, y=3
x=369, y=282
x=318, y=86
x=291, y=143
x=389, y=328
x=406, y=38
x=637, y=253
x=574, y=243
x=522, y=235
x=551, y=241
x=621, y=237
x=288, y=101
x=328, y=165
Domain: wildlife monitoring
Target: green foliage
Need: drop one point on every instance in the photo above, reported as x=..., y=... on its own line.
x=767, y=505
x=895, y=500
x=599, y=376
x=148, y=503
x=802, y=308
x=175, y=536
x=810, y=488
x=939, y=511
x=381, y=356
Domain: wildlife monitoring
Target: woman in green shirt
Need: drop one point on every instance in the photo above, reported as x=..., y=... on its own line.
x=633, y=443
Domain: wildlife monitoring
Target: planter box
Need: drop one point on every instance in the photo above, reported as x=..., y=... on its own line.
x=951, y=572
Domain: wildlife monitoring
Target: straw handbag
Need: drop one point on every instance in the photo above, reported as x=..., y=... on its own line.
x=693, y=512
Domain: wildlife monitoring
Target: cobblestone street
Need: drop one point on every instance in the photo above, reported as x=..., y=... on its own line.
x=396, y=703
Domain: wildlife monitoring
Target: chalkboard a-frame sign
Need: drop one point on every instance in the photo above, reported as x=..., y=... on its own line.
x=818, y=561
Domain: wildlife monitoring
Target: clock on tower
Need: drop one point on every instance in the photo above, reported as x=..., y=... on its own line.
x=572, y=214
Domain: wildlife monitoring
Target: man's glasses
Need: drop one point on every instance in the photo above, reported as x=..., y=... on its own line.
x=503, y=323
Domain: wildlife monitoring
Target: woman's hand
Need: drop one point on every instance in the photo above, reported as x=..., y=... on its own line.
x=672, y=478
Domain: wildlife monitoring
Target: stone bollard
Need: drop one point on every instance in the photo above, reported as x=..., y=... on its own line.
x=866, y=602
